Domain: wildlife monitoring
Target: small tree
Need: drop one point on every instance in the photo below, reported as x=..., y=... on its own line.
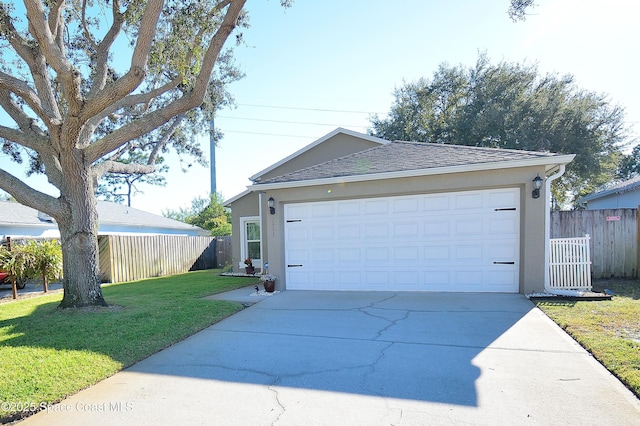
x=17, y=264
x=45, y=259
x=207, y=214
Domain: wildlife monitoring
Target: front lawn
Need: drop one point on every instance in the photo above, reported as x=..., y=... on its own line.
x=610, y=330
x=47, y=354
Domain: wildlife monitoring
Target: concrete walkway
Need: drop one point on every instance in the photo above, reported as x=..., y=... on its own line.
x=363, y=358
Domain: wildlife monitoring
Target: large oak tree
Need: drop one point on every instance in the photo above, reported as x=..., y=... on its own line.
x=512, y=106
x=85, y=82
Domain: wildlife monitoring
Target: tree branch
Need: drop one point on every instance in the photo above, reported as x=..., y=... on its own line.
x=137, y=71
x=69, y=76
x=37, y=66
x=102, y=49
x=29, y=197
x=117, y=167
x=165, y=138
x=191, y=100
x=22, y=90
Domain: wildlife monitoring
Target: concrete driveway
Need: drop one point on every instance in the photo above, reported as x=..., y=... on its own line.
x=363, y=358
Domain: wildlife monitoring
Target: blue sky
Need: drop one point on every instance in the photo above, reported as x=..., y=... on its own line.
x=333, y=63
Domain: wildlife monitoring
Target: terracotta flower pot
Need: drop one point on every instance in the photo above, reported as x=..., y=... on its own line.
x=269, y=286
x=250, y=270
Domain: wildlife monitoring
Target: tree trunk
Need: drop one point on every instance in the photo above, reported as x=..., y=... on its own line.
x=81, y=275
x=79, y=240
x=45, y=282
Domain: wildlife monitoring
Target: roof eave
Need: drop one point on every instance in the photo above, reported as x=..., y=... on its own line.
x=551, y=163
x=236, y=198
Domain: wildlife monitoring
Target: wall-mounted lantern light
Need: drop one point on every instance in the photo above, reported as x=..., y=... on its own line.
x=271, y=204
x=537, y=184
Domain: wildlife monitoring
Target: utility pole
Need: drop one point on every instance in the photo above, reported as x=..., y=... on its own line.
x=212, y=166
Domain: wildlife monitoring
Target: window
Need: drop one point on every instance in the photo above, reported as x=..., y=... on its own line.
x=251, y=240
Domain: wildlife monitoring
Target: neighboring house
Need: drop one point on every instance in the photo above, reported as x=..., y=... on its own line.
x=17, y=220
x=623, y=195
x=354, y=212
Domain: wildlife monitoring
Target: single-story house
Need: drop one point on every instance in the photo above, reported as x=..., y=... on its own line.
x=622, y=195
x=17, y=220
x=355, y=212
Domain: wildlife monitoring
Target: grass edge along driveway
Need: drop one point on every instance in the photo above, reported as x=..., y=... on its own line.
x=48, y=354
x=609, y=330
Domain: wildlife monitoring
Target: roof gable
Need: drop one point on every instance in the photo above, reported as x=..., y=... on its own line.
x=405, y=157
x=335, y=145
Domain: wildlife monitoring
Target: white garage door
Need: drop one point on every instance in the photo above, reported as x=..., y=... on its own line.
x=461, y=241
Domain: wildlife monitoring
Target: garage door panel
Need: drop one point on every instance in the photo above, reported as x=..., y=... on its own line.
x=376, y=230
x=469, y=227
x=406, y=205
x=320, y=210
x=503, y=225
x=437, y=254
x=297, y=256
x=377, y=254
x=406, y=254
x=436, y=228
x=436, y=203
x=410, y=229
x=469, y=201
x=468, y=253
x=349, y=255
x=348, y=208
x=433, y=242
x=322, y=232
x=348, y=279
x=375, y=207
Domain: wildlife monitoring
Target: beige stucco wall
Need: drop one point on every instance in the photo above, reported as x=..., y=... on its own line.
x=532, y=219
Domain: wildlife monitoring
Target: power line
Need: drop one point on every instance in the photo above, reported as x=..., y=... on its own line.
x=268, y=134
x=308, y=109
x=291, y=122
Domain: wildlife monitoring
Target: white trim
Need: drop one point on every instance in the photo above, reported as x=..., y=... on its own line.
x=237, y=197
x=547, y=231
x=243, y=240
x=552, y=162
x=261, y=227
x=318, y=142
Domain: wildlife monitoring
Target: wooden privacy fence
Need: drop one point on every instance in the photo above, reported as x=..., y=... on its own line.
x=223, y=252
x=133, y=257
x=613, y=244
x=570, y=264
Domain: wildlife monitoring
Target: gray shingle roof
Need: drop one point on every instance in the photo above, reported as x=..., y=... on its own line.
x=618, y=188
x=402, y=156
x=108, y=214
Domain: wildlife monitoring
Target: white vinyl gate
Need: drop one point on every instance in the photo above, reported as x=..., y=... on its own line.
x=570, y=264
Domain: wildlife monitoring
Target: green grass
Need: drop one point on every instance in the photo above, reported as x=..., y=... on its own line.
x=610, y=330
x=47, y=353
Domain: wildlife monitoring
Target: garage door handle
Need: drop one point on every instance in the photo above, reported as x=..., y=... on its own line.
x=293, y=266
x=504, y=263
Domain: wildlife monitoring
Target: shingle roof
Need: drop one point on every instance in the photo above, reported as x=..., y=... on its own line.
x=108, y=214
x=618, y=188
x=402, y=156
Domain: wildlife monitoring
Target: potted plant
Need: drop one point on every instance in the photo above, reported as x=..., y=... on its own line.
x=248, y=268
x=269, y=282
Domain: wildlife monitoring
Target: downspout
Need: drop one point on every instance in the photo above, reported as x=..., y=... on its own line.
x=261, y=232
x=547, y=237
